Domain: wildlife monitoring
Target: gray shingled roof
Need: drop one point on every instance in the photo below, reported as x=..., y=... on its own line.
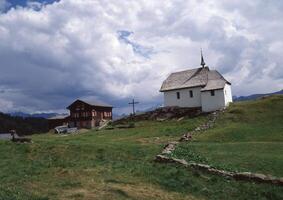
x=92, y=103
x=199, y=77
x=97, y=103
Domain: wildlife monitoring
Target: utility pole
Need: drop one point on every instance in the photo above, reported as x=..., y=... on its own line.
x=133, y=103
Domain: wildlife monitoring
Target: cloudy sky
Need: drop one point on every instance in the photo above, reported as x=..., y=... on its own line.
x=53, y=52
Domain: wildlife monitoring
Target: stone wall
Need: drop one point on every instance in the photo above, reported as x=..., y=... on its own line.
x=162, y=114
x=245, y=176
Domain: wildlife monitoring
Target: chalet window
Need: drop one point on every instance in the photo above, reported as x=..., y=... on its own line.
x=212, y=92
x=178, y=95
x=107, y=114
x=191, y=94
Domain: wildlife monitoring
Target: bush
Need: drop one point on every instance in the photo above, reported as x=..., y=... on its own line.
x=129, y=125
x=132, y=125
x=236, y=111
x=109, y=127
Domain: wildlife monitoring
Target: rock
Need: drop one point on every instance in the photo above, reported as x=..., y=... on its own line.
x=259, y=177
x=161, y=158
x=220, y=172
x=280, y=181
x=242, y=176
x=164, y=159
x=186, y=137
x=200, y=166
x=163, y=113
x=169, y=148
x=160, y=119
x=198, y=129
x=169, y=115
x=180, y=161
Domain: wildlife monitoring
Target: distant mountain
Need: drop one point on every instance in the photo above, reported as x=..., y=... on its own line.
x=23, y=125
x=149, y=109
x=36, y=115
x=254, y=96
x=116, y=116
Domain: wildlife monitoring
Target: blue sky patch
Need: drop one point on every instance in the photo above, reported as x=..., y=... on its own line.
x=24, y=3
x=144, y=51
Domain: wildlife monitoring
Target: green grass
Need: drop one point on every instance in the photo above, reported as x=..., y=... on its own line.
x=247, y=137
x=114, y=164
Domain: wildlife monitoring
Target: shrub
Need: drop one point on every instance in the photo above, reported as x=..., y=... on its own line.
x=236, y=111
x=132, y=125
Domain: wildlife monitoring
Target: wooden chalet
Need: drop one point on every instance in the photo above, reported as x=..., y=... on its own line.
x=84, y=114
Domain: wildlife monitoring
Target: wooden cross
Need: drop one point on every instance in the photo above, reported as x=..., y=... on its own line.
x=133, y=103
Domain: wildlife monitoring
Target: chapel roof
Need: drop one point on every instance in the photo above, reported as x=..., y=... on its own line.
x=198, y=77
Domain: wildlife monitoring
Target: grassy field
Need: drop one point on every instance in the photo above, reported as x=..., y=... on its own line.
x=118, y=164
x=247, y=137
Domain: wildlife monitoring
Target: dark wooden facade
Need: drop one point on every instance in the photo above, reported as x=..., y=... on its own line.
x=88, y=115
x=54, y=122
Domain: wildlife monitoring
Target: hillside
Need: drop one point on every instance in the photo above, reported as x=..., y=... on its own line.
x=23, y=125
x=247, y=137
x=118, y=163
x=35, y=115
x=255, y=96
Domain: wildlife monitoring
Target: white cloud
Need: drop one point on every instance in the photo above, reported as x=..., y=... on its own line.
x=52, y=54
x=5, y=106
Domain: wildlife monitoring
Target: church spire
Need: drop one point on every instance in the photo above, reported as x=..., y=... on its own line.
x=202, y=60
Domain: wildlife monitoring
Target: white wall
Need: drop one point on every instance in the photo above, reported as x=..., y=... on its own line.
x=212, y=103
x=228, y=94
x=170, y=98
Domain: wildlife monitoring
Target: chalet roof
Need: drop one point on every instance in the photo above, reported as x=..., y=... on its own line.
x=97, y=103
x=92, y=103
x=198, y=77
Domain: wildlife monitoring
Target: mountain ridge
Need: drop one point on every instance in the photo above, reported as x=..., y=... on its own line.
x=255, y=96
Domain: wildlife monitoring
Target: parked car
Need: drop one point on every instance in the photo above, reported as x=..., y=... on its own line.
x=65, y=129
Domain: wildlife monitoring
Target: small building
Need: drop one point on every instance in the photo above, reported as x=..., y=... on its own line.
x=197, y=88
x=85, y=114
x=58, y=120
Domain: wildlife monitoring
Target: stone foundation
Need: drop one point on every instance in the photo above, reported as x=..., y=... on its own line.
x=244, y=176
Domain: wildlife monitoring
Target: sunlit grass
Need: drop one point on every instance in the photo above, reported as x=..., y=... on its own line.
x=247, y=137
x=118, y=164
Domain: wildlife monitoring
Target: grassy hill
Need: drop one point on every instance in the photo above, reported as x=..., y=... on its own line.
x=118, y=163
x=247, y=137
